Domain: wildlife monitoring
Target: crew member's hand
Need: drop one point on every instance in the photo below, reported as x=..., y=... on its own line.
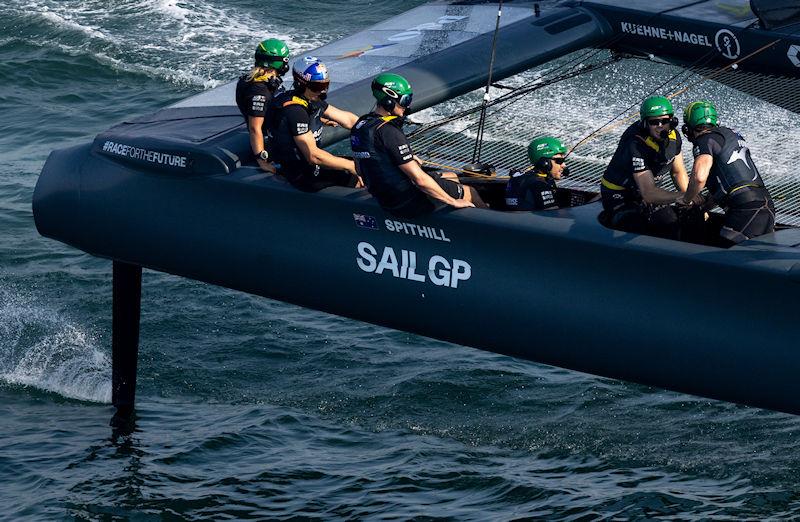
x=681, y=200
x=462, y=203
x=360, y=182
x=328, y=122
x=266, y=166
x=699, y=200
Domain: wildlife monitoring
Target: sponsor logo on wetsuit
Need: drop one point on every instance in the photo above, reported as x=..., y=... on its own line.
x=665, y=34
x=258, y=102
x=438, y=270
x=159, y=158
x=413, y=229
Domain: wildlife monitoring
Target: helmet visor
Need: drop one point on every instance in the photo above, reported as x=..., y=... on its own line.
x=405, y=101
x=319, y=87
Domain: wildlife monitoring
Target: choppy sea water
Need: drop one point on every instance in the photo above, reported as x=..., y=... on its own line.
x=251, y=408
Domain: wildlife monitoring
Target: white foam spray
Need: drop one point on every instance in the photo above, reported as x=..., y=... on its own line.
x=194, y=44
x=42, y=349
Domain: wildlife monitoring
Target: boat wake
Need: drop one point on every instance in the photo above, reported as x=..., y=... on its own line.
x=42, y=349
x=195, y=44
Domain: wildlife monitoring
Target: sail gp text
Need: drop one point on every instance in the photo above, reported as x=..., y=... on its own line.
x=440, y=271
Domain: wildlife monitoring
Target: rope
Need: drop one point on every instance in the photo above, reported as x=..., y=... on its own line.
x=515, y=95
x=470, y=173
x=476, y=153
x=702, y=79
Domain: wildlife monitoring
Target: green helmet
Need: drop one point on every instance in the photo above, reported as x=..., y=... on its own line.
x=700, y=113
x=390, y=89
x=656, y=106
x=273, y=53
x=544, y=147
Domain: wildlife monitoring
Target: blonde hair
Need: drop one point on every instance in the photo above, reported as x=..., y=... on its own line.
x=259, y=73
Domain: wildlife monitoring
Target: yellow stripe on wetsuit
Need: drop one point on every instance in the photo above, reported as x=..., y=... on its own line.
x=611, y=186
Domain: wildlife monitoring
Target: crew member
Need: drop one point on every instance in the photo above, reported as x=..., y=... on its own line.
x=255, y=90
x=722, y=160
x=647, y=150
x=384, y=157
x=295, y=124
x=535, y=188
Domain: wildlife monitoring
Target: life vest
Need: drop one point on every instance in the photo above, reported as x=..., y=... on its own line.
x=281, y=143
x=531, y=191
x=618, y=183
x=733, y=169
x=385, y=181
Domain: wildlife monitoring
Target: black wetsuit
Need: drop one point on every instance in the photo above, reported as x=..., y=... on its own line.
x=291, y=115
x=253, y=99
x=736, y=186
x=379, y=148
x=622, y=201
x=531, y=191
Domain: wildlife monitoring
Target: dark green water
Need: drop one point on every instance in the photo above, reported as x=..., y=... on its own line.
x=254, y=409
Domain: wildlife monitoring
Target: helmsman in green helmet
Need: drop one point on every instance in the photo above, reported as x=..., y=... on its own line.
x=722, y=162
x=255, y=90
x=389, y=167
x=536, y=188
x=648, y=149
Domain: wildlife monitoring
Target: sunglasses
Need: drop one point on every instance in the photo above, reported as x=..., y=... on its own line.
x=558, y=161
x=659, y=122
x=318, y=86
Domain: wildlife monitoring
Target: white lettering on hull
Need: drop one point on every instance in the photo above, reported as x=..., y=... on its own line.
x=441, y=271
x=665, y=34
x=412, y=229
x=129, y=151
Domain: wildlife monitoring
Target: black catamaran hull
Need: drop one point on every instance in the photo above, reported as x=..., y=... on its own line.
x=554, y=287
x=169, y=192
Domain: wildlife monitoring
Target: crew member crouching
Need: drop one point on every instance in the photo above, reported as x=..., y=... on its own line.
x=384, y=157
x=254, y=93
x=722, y=160
x=535, y=188
x=647, y=150
x=295, y=124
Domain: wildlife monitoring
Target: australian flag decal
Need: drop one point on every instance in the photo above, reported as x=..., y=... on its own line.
x=365, y=221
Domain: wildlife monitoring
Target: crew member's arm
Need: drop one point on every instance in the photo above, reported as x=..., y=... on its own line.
x=427, y=185
x=317, y=156
x=344, y=118
x=645, y=181
x=700, y=172
x=254, y=126
x=299, y=123
x=651, y=193
x=679, y=175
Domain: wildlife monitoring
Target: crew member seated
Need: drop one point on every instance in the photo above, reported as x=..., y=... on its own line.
x=255, y=90
x=722, y=160
x=535, y=188
x=647, y=150
x=384, y=157
x=295, y=124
